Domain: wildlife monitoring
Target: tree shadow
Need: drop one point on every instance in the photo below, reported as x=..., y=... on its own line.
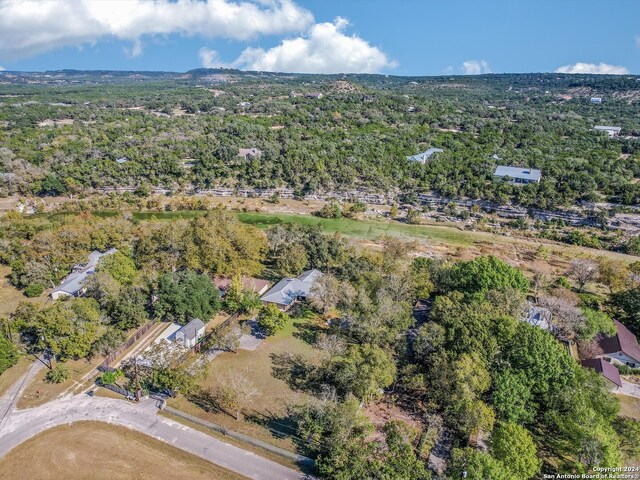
x=206, y=401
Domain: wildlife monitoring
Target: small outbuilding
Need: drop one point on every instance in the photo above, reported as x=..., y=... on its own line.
x=611, y=131
x=607, y=370
x=190, y=334
x=423, y=157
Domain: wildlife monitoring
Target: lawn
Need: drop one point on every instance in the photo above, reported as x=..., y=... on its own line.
x=39, y=391
x=99, y=451
x=264, y=417
x=9, y=295
x=11, y=375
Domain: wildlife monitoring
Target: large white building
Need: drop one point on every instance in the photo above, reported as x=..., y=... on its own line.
x=518, y=175
x=611, y=131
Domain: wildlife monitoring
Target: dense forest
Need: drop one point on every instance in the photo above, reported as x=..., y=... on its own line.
x=62, y=132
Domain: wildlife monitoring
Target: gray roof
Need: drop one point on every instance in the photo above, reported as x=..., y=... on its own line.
x=289, y=289
x=74, y=281
x=518, y=172
x=424, y=156
x=191, y=329
x=607, y=128
x=122, y=160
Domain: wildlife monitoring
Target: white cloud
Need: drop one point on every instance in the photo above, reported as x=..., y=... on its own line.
x=475, y=67
x=324, y=49
x=1, y=68
x=599, y=69
x=29, y=27
x=210, y=59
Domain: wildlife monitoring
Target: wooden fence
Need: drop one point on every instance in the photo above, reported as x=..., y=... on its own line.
x=105, y=366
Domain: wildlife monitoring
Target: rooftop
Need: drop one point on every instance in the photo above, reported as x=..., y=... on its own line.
x=607, y=128
x=74, y=281
x=608, y=371
x=191, y=329
x=623, y=341
x=289, y=289
x=531, y=174
x=424, y=156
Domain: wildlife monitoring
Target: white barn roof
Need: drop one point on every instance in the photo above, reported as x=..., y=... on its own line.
x=288, y=289
x=521, y=173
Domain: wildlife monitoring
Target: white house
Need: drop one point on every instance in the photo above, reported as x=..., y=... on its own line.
x=596, y=100
x=518, y=175
x=73, y=285
x=611, y=131
x=424, y=156
x=288, y=290
x=190, y=333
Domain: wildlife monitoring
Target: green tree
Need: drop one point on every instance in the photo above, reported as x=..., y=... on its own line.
x=271, y=319
x=487, y=273
x=477, y=465
x=122, y=268
x=185, y=295
x=9, y=353
x=626, y=305
x=512, y=397
x=513, y=446
x=363, y=371
x=58, y=374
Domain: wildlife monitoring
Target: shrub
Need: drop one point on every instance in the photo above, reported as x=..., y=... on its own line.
x=58, y=374
x=33, y=290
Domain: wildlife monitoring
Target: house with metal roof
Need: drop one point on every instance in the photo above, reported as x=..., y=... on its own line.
x=122, y=160
x=518, y=175
x=611, y=131
x=73, y=285
x=249, y=153
x=604, y=368
x=620, y=348
x=424, y=156
x=596, y=100
x=288, y=290
x=189, y=334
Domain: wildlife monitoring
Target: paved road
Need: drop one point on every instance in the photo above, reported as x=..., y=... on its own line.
x=10, y=398
x=21, y=425
x=629, y=388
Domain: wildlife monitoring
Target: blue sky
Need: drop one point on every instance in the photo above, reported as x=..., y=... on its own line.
x=402, y=37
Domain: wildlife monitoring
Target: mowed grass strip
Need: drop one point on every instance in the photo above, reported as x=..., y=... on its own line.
x=99, y=451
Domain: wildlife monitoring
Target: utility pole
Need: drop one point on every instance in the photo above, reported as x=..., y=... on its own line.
x=135, y=374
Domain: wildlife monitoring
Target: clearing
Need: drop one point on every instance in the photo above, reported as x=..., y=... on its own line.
x=265, y=417
x=101, y=451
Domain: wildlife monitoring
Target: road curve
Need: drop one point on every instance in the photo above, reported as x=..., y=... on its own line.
x=21, y=425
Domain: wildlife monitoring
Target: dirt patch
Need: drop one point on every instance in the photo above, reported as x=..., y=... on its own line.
x=93, y=450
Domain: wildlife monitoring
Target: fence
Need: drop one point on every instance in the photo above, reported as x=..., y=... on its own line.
x=300, y=459
x=106, y=365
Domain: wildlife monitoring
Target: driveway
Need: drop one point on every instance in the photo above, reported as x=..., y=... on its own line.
x=10, y=398
x=629, y=388
x=21, y=425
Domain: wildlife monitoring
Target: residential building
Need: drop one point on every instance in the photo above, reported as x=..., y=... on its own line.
x=73, y=285
x=288, y=290
x=315, y=95
x=122, y=160
x=424, y=156
x=604, y=368
x=611, y=131
x=244, y=104
x=596, y=100
x=620, y=348
x=190, y=334
x=518, y=175
x=249, y=153
x=249, y=284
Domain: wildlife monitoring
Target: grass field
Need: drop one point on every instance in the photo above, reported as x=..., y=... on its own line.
x=264, y=415
x=11, y=375
x=99, y=451
x=9, y=295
